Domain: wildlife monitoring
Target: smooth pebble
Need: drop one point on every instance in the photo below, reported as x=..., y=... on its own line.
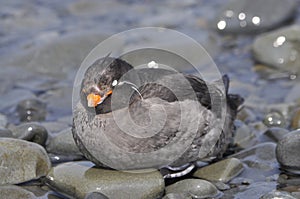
x=77, y=179
x=22, y=161
x=31, y=131
x=194, y=187
x=287, y=152
x=222, y=171
x=30, y=110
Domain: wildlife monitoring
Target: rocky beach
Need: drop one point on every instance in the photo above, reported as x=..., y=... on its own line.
x=43, y=44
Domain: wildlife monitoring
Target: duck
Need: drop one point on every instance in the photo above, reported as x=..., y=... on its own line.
x=131, y=118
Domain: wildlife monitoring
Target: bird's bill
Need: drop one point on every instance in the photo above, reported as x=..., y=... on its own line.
x=95, y=99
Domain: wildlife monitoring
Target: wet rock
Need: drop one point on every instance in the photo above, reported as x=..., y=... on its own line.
x=77, y=179
x=275, y=134
x=30, y=110
x=222, y=171
x=295, y=123
x=287, y=152
x=277, y=194
x=242, y=16
x=3, y=121
x=33, y=132
x=21, y=161
x=63, y=143
x=244, y=136
x=95, y=195
x=279, y=49
x=15, y=192
x=194, y=187
x=274, y=119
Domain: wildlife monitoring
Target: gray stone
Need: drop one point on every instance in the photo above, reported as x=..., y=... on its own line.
x=242, y=16
x=31, y=131
x=276, y=195
x=279, y=49
x=287, y=152
x=15, y=192
x=194, y=187
x=63, y=143
x=222, y=171
x=274, y=119
x=21, y=161
x=30, y=110
x=77, y=179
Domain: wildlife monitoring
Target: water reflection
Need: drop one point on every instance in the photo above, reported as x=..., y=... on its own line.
x=279, y=41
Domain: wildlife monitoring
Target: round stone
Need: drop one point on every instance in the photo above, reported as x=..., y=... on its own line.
x=31, y=110
x=222, y=171
x=194, y=187
x=32, y=132
x=274, y=119
x=77, y=179
x=22, y=161
x=63, y=143
x=287, y=152
x=279, y=49
x=242, y=16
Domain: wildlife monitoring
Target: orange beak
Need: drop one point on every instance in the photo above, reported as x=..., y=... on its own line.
x=94, y=100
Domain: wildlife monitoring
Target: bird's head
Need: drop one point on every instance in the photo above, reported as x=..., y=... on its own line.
x=100, y=79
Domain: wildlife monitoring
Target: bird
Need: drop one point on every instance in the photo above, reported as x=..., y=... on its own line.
x=149, y=117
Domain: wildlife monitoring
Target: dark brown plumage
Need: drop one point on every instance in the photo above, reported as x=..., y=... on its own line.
x=136, y=93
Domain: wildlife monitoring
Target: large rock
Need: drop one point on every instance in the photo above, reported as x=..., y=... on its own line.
x=21, y=161
x=222, y=171
x=287, y=152
x=79, y=179
x=194, y=187
x=244, y=16
x=279, y=49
